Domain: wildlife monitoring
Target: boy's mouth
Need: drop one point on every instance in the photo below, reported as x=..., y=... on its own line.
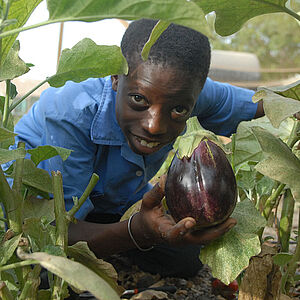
x=146, y=144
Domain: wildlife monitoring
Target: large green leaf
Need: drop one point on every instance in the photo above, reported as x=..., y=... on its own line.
x=231, y=15
x=20, y=10
x=181, y=12
x=229, y=255
x=87, y=59
x=280, y=164
x=41, y=153
x=81, y=253
x=13, y=65
x=74, y=273
x=280, y=102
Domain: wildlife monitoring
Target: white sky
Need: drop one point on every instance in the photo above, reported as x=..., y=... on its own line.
x=39, y=46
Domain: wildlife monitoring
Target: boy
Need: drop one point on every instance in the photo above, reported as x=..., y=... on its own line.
x=122, y=128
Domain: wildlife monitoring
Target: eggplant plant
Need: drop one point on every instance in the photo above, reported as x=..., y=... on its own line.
x=35, y=223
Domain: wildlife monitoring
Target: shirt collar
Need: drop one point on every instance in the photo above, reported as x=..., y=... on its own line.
x=105, y=128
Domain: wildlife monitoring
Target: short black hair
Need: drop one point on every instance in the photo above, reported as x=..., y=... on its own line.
x=183, y=48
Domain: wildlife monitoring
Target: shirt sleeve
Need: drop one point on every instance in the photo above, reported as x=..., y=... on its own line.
x=62, y=117
x=221, y=107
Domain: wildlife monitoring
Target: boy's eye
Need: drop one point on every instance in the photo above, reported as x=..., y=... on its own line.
x=138, y=99
x=180, y=110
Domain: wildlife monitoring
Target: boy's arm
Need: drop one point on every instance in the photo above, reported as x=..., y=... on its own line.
x=221, y=107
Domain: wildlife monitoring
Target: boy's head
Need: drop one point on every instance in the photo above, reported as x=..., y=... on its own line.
x=180, y=47
x=156, y=97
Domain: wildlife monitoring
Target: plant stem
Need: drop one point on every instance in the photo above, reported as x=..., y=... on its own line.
x=294, y=136
x=292, y=265
x=60, y=211
x=20, y=264
x=6, y=105
x=61, y=226
x=93, y=181
x=271, y=201
x=30, y=288
x=15, y=217
x=10, y=202
x=292, y=13
x=286, y=220
x=17, y=102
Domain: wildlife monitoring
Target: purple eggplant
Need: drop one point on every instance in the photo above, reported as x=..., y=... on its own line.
x=202, y=186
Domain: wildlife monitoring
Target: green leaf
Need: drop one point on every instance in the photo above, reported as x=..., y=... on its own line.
x=54, y=250
x=182, y=12
x=229, y=255
x=159, y=28
x=8, y=155
x=81, y=253
x=35, y=177
x=246, y=146
x=38, y=208
x=6, y=134
x=40, y=235
x=41, y=153
x=10, y=124
x=8, y=248
x=279, y=103
x=281, y=259
x=231, y=15
x=74, y=273
x=79, y=63
x=281, y=164
x=13, y=65
x=20, y=10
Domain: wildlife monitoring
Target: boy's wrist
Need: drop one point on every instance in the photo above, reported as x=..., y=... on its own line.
x=139, y=232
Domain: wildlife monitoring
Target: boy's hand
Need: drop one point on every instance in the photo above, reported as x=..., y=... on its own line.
x=161, y=228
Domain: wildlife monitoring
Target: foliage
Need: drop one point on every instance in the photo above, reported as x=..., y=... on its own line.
x=30, y=238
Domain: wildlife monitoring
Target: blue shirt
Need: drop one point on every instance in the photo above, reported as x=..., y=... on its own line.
x=81, y=117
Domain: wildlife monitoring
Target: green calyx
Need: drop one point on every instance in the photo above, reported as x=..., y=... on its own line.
x=186, y=144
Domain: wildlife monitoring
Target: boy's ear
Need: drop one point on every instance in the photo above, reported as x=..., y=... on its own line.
x=114, y=81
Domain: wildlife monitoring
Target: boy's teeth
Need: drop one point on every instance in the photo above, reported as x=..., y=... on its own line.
x=150, y=145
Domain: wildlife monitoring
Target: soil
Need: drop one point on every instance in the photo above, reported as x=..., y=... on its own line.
x=197, y=288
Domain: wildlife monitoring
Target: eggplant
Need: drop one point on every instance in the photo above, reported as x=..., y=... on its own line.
x=202, y=186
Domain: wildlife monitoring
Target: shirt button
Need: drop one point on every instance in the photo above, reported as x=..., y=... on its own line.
x=139, y=173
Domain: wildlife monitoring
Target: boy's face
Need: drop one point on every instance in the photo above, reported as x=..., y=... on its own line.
x=153, y=104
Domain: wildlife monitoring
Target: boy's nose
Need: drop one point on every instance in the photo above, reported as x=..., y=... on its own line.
x=155, y=123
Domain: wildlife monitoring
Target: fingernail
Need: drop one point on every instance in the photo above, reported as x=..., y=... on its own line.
x=230, y=226
x=189, y=224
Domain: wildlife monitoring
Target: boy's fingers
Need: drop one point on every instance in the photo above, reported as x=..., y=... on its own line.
x=210, y=234
x=162, y=182
x=153, y=197
x=180, y=229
